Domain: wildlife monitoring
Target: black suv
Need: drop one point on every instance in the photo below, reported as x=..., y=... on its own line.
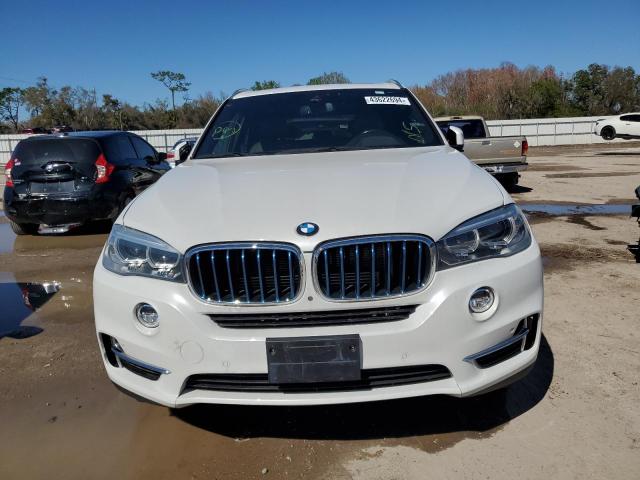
x=71, y=179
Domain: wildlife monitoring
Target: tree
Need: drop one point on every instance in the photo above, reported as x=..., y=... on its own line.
x=174, y=81
x=331, y=77
x=265, y=85
x=37, y=98
x=89, y=114
x=114, y=112
x=10, y=101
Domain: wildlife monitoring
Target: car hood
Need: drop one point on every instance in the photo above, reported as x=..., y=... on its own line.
x=264, y=198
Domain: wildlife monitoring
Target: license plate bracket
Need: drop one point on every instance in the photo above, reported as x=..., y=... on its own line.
x=43, y=188
x=325, y=359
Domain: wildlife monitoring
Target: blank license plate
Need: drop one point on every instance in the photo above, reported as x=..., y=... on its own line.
x=52, y=187
x=314, y=359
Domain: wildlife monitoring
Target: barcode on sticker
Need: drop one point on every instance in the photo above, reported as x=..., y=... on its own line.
x=380, y=100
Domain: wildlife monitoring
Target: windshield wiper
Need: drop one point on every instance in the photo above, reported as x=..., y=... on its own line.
x=314, y=150
x=221, y=155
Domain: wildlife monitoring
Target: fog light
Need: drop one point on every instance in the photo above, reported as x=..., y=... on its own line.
x=481, y=300
x=147, y=315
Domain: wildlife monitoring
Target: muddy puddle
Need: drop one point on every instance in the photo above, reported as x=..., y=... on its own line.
x=591, y=175
x=553, y=167
x=19, y=301
x=7, y=238
x=559, y=209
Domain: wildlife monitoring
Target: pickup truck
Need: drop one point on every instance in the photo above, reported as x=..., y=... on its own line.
x=503, y=157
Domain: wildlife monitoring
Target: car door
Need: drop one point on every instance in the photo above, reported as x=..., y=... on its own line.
x=120, y=151
x=624, y=125
x=154, y=167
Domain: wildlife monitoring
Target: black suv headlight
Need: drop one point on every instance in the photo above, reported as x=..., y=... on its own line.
x=498, y=233
x=131, y=252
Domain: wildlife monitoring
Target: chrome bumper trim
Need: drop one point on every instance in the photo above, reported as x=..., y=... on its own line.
x=521, y=337
x=123, y=356
x=498, y=169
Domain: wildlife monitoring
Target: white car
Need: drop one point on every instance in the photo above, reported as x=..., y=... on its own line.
x=623, y=126
x=322, y=244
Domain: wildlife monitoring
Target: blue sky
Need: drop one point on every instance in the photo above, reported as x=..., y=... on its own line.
x=112, y=46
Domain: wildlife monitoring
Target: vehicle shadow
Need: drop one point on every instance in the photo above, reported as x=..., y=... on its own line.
x=376, y=420
x=620, y=154
x=517, y=189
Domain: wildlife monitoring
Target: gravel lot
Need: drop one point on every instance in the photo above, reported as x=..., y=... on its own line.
x=575, y=416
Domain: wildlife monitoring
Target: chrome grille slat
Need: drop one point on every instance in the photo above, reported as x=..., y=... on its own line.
x=200, y=275
x=244, y=279
x=372, y=283
x=341, y=272
x=404, y=266
x=292, y=287
x=373, y=267
x=215, y=275
x=275, y=276
x=246, y=273
x=357, y=272
x=326, y=268
x=260, y=277
x=233, y=297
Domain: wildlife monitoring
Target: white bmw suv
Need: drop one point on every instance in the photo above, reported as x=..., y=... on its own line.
x=322, y=244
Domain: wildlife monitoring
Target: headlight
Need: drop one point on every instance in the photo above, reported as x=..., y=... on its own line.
x=130, y=252
x=498, y=233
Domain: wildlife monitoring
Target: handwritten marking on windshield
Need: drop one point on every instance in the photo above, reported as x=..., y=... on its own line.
x=226, y=130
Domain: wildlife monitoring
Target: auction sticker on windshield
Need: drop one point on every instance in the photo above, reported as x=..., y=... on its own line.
x=374, y=100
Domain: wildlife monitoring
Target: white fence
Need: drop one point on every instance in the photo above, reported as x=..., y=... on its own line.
x=549, y=131
x=539, y=131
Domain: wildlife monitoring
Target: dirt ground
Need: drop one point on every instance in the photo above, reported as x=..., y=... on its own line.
x=576, y=415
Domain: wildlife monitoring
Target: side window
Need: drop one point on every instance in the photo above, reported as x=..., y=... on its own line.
x=634, y=118
x=143, y=148
x=125, y=147
x=626, y=118
x=118, y=148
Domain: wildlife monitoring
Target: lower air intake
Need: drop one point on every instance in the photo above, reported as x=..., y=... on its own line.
x=371, y=379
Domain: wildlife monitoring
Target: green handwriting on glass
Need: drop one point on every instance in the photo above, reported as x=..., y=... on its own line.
x=226, y=130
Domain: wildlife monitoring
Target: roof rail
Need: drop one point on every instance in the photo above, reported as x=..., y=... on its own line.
x=395, y=82
x=238, y=91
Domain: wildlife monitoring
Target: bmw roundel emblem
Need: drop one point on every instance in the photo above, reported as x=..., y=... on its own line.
x=307, y=229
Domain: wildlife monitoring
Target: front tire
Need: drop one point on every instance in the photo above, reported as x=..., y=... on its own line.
x=23, y=228
x=608, y=133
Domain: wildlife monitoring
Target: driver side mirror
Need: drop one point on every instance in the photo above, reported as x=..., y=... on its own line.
x=184, y=153
x=455, y=137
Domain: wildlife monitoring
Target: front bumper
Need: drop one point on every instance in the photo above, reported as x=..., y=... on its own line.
x=440, y=332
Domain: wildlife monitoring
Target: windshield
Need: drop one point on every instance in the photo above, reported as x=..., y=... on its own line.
x=319, y=120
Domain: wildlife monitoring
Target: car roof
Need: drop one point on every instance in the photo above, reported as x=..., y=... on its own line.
x=95, y=133
x=311, y=88
x=85, y=134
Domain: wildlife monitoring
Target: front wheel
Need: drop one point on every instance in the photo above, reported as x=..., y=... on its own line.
x=608, y=133
x=23, y=228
